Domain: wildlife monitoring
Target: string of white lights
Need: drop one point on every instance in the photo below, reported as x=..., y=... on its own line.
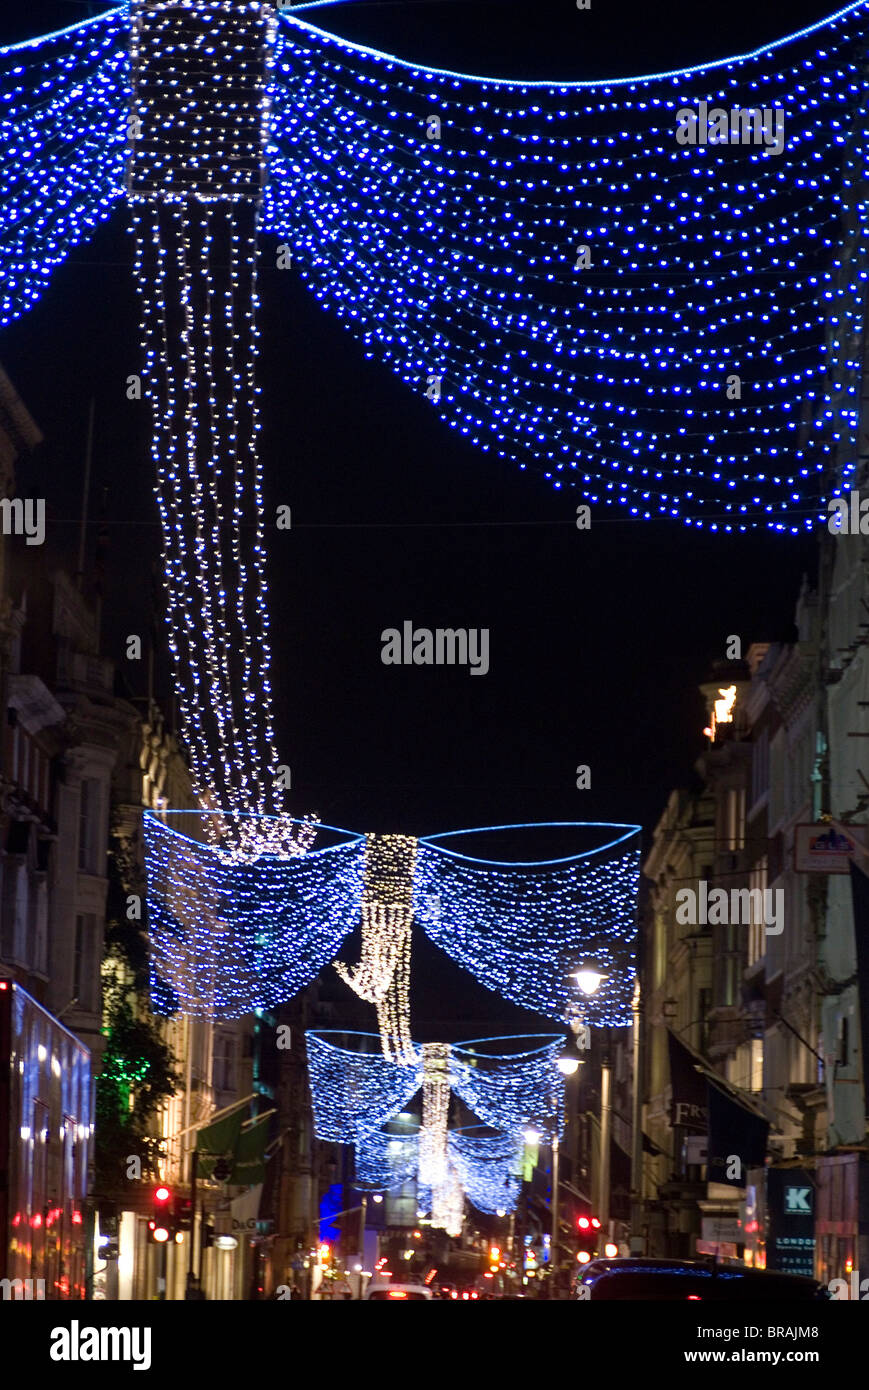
x=382, y=976
x=195, y=180
x=435, y=1114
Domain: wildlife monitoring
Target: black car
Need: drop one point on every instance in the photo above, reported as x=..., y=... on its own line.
x=696, y=1280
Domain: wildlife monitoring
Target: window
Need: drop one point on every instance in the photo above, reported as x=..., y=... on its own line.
x=224, y=1063
x=83, y=982
x=756, y=929
x=88, y=826
x=760, y=768
x=757, y=1064
x=735, y=811
x=78, y=959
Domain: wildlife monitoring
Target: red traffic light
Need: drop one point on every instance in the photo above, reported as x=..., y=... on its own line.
x=583, y=1223
x=162, y=1194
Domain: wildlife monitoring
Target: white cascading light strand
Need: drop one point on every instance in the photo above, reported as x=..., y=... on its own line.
x=382, y=976
x=194, y=184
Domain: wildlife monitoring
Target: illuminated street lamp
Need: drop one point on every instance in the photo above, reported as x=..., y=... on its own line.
x=589, y=979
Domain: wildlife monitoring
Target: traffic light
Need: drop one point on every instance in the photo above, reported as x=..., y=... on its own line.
x=161, y=1226
x=183, y=1213
x=588, y=1230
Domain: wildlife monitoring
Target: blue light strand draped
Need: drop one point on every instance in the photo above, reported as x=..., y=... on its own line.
x=386, y=1161
x=488, y=1167
x=523, y=929
x=228, y=937
x=354, y=1092
x=64, y=101
x=510, y=1090
x=455, y=258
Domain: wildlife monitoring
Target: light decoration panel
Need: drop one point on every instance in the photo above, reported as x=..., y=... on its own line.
x=200, y=84
x=435, y=1114
x=523, y=929
x=512, y=1082
x=386, y=1161
x=382, y=976
x=63, y=129
x=227, y=937
x=354, y=1088
x=509, y=1083
x=488, y=1166
x=455, y=258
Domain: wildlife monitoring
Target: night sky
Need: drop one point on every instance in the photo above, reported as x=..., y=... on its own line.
x=598, y=639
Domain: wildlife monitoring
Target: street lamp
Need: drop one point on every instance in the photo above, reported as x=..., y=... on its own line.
x=589, y=979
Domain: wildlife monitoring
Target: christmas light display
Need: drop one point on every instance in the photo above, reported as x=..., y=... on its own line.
x=523, y=929
x=488, y=1166
x=383, y=974
x=354, y=1088
x=648, y=320
x=510, y=1083
x=644, y=319
x=63, y=126
x=435, y=1114
x=386, y=1161
x=227, y=937
x=196, y=172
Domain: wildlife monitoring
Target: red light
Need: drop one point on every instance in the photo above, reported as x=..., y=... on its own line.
x=36, y=1220
x=76, y=1218
x=162, y=1194
x=397, y=1293
x=583, y=1223
x=3, y=984
x=595, y=1223
x=694, y=1298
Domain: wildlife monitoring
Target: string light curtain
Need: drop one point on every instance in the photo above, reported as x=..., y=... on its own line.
x=382, y=976
x=386, y=1161
x=508, y=1083
x=227, y=937
x=513, y=1082
x=572, y=288
x=442, y=218
x=524, y=929
x=198, y=113
x=488, y=1167
x=63, y=127
x=354, y=1088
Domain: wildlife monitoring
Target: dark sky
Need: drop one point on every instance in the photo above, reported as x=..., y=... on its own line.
x=598, y=640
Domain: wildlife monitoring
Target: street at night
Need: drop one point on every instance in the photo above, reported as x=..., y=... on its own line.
x=434, y=818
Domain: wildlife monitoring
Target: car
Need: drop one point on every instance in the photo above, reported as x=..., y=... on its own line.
x=386, y=1292
x=632, y=1277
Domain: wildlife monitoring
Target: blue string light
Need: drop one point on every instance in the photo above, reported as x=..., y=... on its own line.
x=227, y=937
x=488, y=1166
x=355, y=1089
x=525, y=928
x=63, y=127
x=511, y=1089
x=454, y=259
